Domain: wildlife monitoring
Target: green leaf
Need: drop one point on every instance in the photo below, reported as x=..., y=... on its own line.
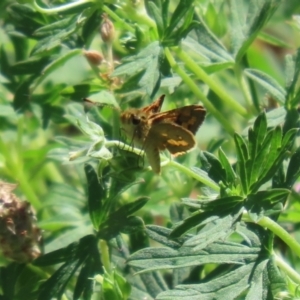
x=276, y=278
x=203, y=177
x=293, y=170
x=214, y=210
x=208, y=47
x=5, y=65
x=123, y=286
x=79, y=91
x=146, y=62
x=221, y=202
x=84, y=284
x=291, y=119
x=212, y=166
x=91, y=24
x=133, y=224
x=92, y=130
x=292, y=77
x=162, y=235
x=165, y=12
x=120, y=220
x=180, y=12
x=247, y=19
x=266, y=203
x=22, y=94
x=155, y=13
x=259, y=210
x=76, y=254
x=56, y=64
x=257, y=287
x=150, y=259
x=33, y=65
x=26, y=19
x=49, y=43
x=180, y=33
x=259, y=131
x=228, y=286
x=268, y=83
x=274, y=195
x=231, y=176
x=256, y=138
x=276, y=116
x=9, y=278
x=96, y=195
x=104, y=98
x=261, y=157
x=99, y=151
x=69, y=253
x=243, y=157
x=131, y=207
x=274, y=157
x=289, y=138
x=56, y=284
x=211, y=233
x=59, y=26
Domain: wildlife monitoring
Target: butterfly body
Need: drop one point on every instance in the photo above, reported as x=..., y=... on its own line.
x=156, y=131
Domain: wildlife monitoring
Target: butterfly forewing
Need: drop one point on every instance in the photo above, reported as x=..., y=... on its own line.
x=154, y=107
x=189, y=117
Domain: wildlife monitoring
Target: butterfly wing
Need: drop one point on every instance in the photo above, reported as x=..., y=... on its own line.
x=189, y=117
x=170, y=136
x=154, y=107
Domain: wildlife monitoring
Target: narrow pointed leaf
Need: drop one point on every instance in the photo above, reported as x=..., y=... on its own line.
x=179, y=13
x=150, y=259
x=293, y=171
x=96, y=194
x=268, y=83
x=230, y=174
x=226, y=287
x=155, y=13
x=243, y=156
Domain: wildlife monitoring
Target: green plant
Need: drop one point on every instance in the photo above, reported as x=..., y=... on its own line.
x=99, y=211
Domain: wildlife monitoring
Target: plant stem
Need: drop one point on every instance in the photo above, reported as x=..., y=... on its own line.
x=165, y=162
x=192, y=65
x=60, y=8
x=123, y=146
x=279, y=231
x=287, y=269
x=192, y=85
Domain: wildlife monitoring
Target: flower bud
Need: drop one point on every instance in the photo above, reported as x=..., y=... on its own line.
x=19, y=235
x=107, y=29
x=94, y=57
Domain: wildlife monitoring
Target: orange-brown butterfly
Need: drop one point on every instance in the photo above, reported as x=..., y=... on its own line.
x=155, y=131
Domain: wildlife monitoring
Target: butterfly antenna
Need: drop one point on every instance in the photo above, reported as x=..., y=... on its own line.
x=88, y=104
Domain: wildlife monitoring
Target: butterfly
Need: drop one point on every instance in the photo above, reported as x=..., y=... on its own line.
x=156, y=131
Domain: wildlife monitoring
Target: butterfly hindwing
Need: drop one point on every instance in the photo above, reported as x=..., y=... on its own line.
x=172, y=137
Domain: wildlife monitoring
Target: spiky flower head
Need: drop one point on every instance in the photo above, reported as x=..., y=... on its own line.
x=19, y=235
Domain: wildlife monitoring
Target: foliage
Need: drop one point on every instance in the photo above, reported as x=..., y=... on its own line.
x=112, y=228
